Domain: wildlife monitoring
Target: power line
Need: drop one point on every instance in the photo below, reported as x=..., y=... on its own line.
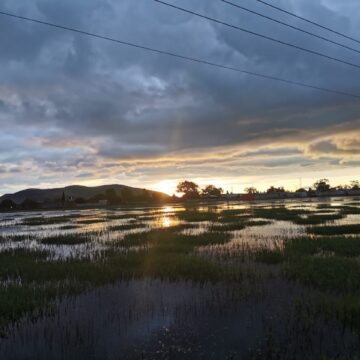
x=182, y=57
x=290, y=26
x=258, y=34
x=309, y=21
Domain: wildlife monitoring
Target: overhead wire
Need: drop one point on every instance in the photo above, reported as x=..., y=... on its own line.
x=266, y=37
x=179, y=56
x=241, y=7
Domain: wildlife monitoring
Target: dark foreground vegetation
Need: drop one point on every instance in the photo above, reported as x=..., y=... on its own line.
x=323, y=261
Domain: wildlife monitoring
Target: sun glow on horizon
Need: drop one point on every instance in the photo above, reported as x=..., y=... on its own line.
x=166, y=186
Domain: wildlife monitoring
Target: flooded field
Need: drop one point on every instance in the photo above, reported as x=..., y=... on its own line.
x=276, y=280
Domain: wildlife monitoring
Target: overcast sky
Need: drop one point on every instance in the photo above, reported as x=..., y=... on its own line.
x=79, y=110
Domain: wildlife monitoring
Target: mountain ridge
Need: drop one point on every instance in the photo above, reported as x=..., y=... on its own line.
x=78, y=191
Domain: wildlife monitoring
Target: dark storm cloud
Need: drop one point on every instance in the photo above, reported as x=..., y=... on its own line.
x=72, y=102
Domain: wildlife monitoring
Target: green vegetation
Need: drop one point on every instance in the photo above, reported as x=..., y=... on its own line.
x=339, y=245
x=129, y=226
x=267, y=256
x=37, y=221
x=90, y=221
x=14, y=238
x=197, y=216
x=325, y=263
x=315, y=219
x=68, y=239
x=233, y=226
x=335, y=230
x=298, y=216
x=121, y=216
x=349, y=210
x=328, y=273
x=167, y=254
x=258, y=223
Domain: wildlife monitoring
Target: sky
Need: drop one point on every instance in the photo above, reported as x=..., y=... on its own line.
x=81, y=110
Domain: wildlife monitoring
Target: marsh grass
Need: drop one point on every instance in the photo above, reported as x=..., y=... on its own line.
x=339, y=245
x=348, y=210
x=167, y=255
x=332, y=273
x=121, y=216
x=37, y=221
x=14, y=238
x=66, y=239
x=335, y=229
x=197, y=216
x=233, y=226
x=90, y=221
x=258, y=223
x=267, y=256
x=328, y=263
x=129, y=226
x=297, y=216
x=68, y=227
x=316, y=219
x=239, y=225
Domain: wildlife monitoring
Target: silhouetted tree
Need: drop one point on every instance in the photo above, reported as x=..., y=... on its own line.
x=322, y=185
x=189, y=189
x=211, y=190
x=251, y=190
x=273, y=189
x=355, y=185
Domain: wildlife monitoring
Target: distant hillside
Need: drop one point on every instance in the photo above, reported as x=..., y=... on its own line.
x=84, y=192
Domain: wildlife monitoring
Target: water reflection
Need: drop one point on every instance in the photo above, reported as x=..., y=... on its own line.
x=106, y=226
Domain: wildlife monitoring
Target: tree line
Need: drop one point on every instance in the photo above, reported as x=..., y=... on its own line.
x=322, y=185
x=191, y=190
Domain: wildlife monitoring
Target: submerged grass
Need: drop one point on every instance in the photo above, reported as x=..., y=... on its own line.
x=67, y=239
x=335, y=230
x=197, y=216
x=329, y=263
x=90, y=221
x=37, y=221
x=297, y=216
x=168, y=254
x=129, y=226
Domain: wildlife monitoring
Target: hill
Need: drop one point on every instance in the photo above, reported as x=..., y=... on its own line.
x=85, y=193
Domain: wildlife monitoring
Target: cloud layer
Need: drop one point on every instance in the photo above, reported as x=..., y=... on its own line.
x=74, y=109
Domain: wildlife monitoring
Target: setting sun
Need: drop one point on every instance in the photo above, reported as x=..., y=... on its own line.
x=166, y=186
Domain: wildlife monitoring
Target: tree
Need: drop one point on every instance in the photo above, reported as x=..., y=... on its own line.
x=273, y=189
x=7, y=204
x=322, y=185
x=211, y=190
x=355, y=185
x=189, y=189
x=251, y=190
